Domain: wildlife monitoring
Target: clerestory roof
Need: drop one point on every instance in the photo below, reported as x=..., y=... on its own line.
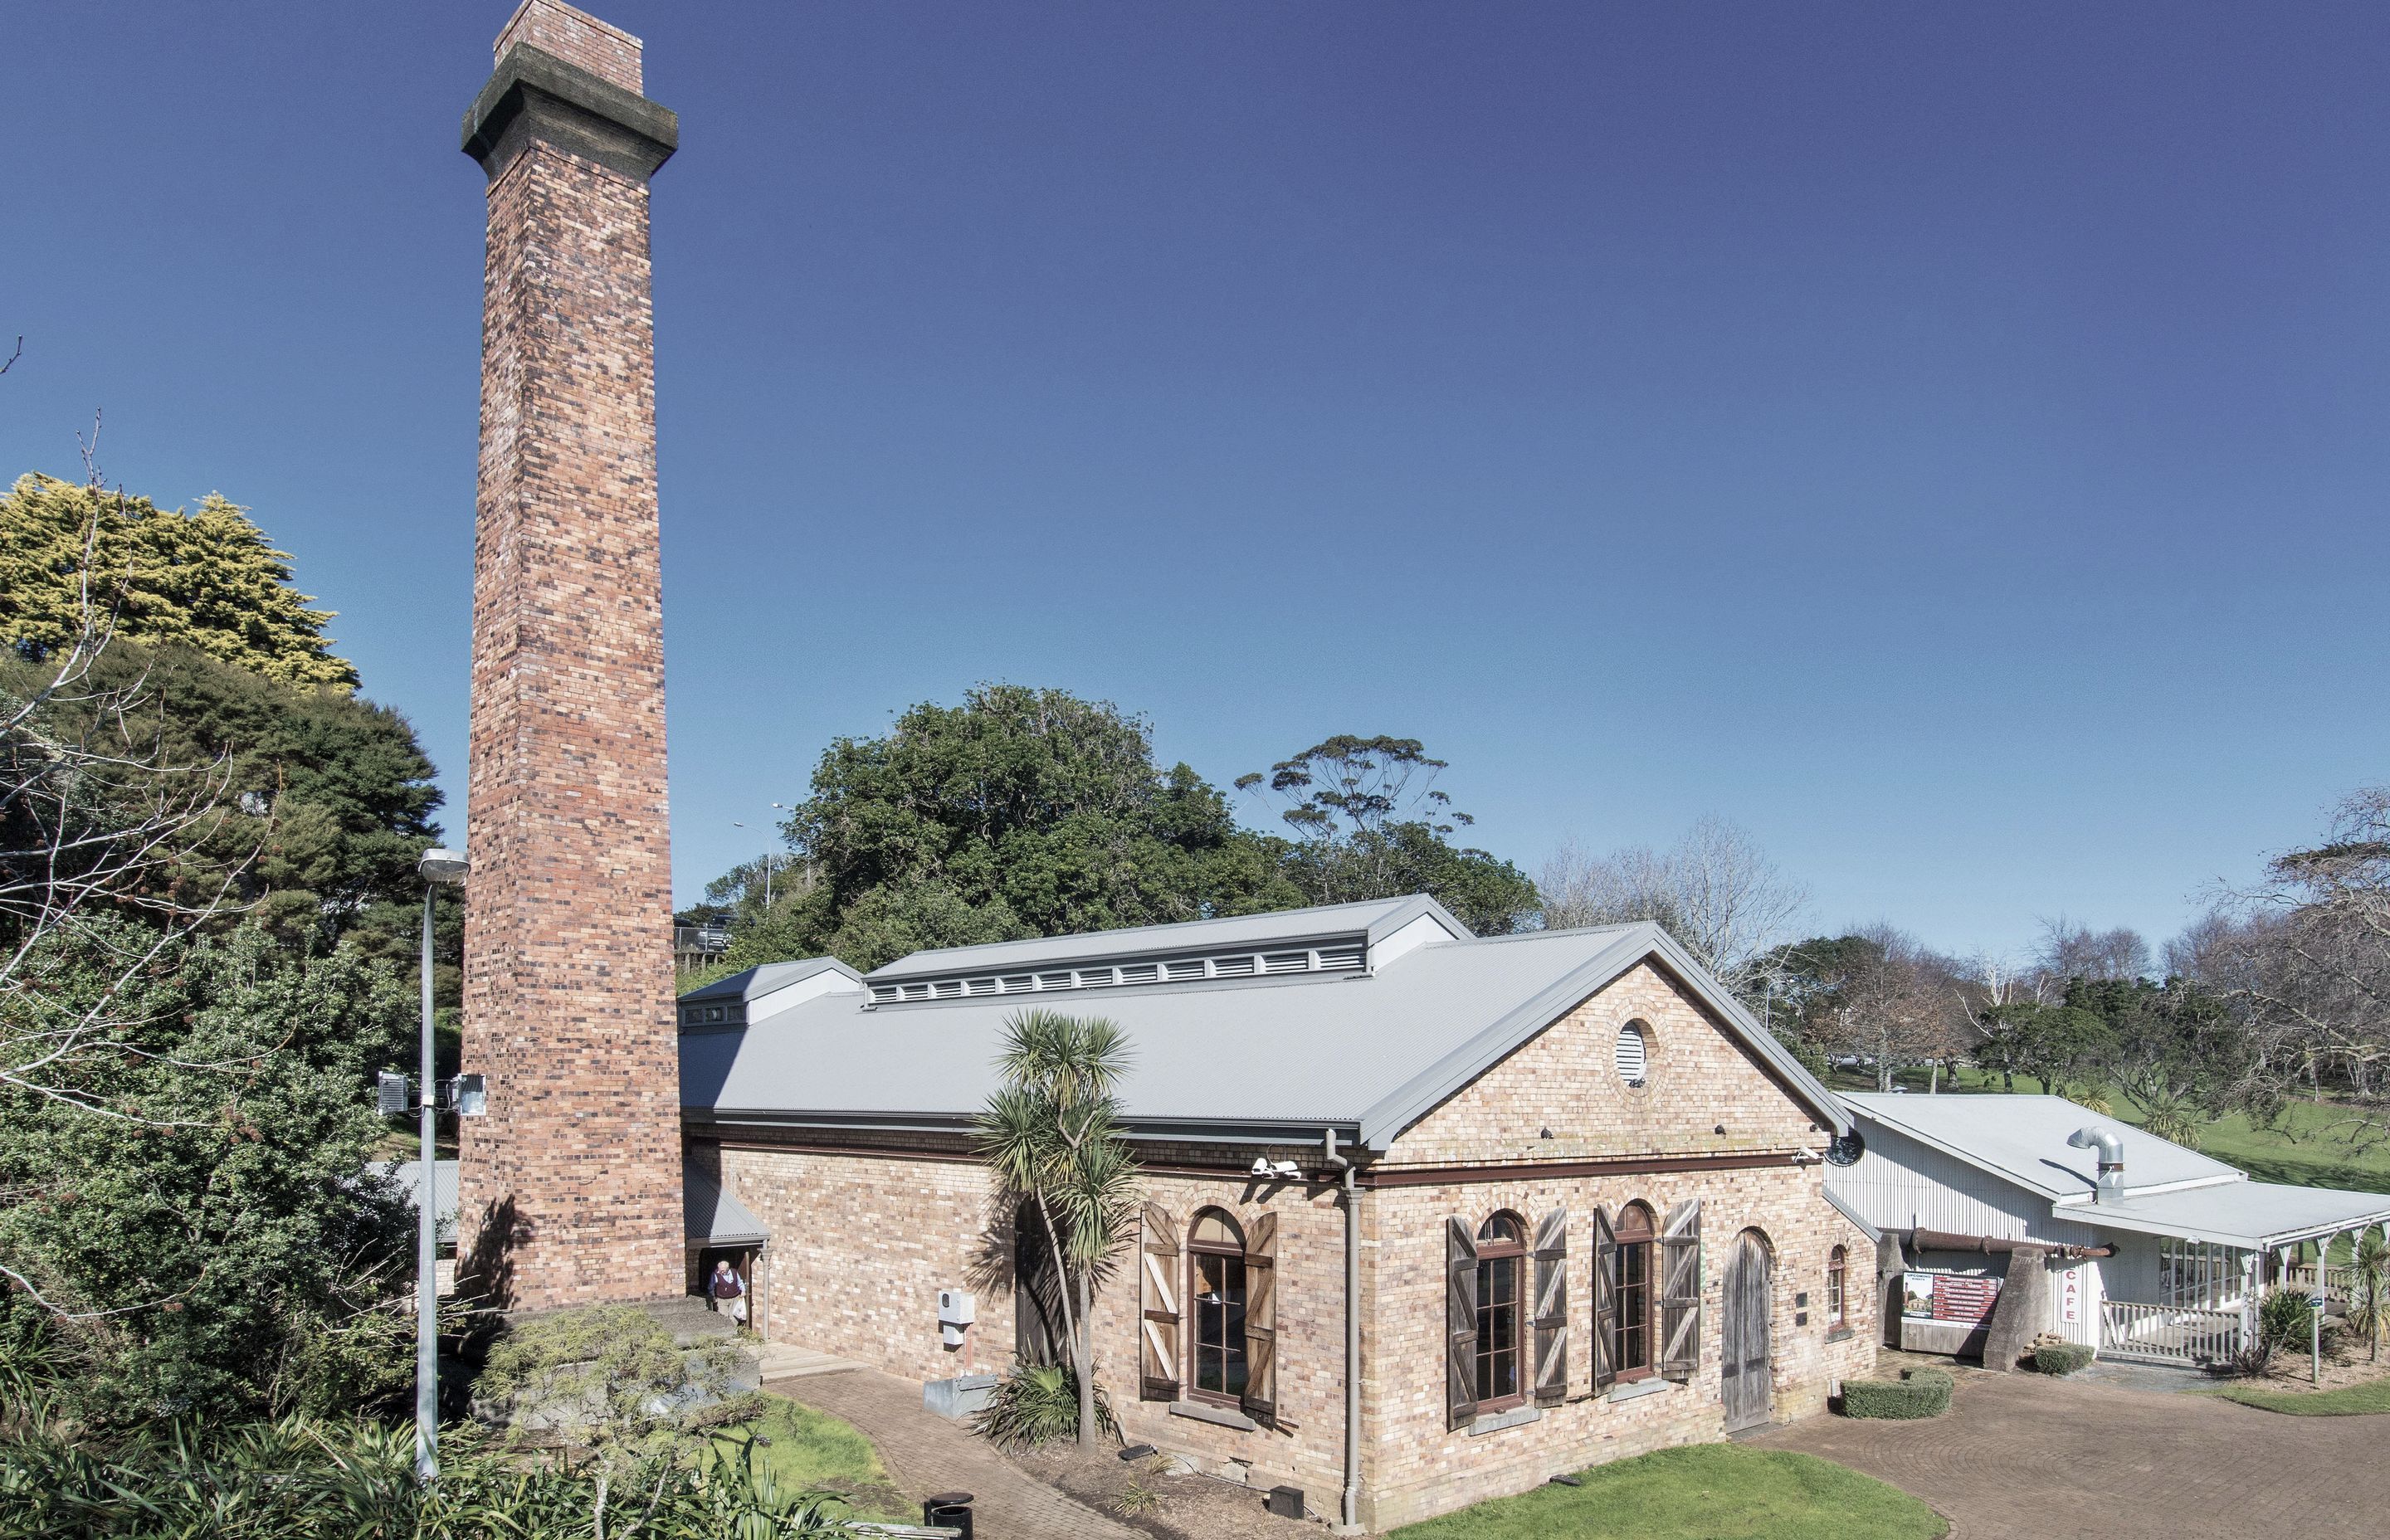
x=1367, y=1052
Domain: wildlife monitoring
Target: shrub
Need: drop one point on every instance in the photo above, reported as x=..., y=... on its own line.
x=2060, y=1357
x=1037, y=1404
x=308, y=1479
x=1916, y=1393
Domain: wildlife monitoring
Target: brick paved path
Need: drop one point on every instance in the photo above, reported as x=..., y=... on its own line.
x=924, y=1452
x=2023, y=1458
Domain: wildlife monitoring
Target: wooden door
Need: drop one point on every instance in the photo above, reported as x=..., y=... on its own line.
x=1743, y=1372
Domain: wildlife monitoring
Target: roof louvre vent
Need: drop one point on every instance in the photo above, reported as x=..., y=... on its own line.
x=980, y=986
x=1141, y=973
x=1185, y=968
x=1342, y=960
x=917, y=991
x=1019, y=983
x=1286, y=962
x=947, y=989
x=1095, y=978
x=882, y=995
x=1232, y=967
x=1055, y=981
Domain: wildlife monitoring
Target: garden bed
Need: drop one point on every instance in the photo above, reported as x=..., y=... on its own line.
x=1184, y=1506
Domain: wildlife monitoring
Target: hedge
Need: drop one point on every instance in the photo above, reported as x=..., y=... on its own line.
x=2060, y=1357
x=1916, y=1393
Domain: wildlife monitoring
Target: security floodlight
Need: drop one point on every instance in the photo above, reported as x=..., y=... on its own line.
x=390, y=1093
x=1279, y=1171
x=441, y=865
x=472, y=1096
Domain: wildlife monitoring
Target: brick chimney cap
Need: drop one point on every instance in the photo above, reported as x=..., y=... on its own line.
x=575, y=36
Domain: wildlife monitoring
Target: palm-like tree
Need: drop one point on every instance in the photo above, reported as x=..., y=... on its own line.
x=2369, y=1288
x=1051, y=1136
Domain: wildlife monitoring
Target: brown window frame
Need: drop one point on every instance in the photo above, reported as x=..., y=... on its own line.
x=1838, y=1291
x=1637, y=1239
x=1510, y=1252
x=1226, y=1254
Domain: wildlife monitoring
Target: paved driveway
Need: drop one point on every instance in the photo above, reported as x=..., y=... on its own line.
x=2023, y=1458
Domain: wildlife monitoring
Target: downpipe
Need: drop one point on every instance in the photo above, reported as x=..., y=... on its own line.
x=1352, y=1508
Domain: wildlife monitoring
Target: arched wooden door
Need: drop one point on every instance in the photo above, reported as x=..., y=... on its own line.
x=1743, y=1372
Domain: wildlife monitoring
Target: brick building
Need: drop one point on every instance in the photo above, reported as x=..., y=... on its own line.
x=1576, y=1187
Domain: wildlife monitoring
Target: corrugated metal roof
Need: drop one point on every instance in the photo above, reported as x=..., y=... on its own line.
x=2249, y=1214
x=1374, y=1051
x=408, y=1174
x=2024, y=1139
x=753, y=983
x=1373, y=919
x=713, y=1217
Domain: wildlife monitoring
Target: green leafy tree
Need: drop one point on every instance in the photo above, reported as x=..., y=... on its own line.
x=185, y=1216
x=2176, y=1049
x=2052, y=1041
x=320, y=801
x=1051, y=1137
x=1019, y=813
x=208, y=579
x=1371, y=823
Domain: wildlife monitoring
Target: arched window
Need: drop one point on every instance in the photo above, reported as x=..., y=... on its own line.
x=1837, y=1276
x=1215, y=1283
x=1632, y=1052
x=1501, y=1318
x=1630, y=1343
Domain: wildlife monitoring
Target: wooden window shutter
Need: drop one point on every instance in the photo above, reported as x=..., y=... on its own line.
x=1680, y=1291
x=1551, y=1308
x=1605, y=1301
x=1158, y=1306
x=1461, y=1322
x=1261, y=1320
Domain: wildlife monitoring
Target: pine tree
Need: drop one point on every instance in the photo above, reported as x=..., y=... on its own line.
x=208, y=579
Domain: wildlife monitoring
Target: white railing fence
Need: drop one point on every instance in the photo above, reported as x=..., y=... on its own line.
x=2336, y=1281
x=2167, y=1334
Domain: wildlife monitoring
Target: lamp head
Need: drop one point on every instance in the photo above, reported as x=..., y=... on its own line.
x=441, y=865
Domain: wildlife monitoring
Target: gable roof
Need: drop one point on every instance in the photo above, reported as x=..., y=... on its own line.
x=752, y=984
x=2023, y=1139
x=1367, y=1052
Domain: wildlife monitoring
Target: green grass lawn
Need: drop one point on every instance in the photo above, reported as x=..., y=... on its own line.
x=1707, y=1492
x=2348, y=1401
x=814, y=1449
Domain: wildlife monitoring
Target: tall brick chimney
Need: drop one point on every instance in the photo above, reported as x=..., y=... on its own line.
x=570, y=1186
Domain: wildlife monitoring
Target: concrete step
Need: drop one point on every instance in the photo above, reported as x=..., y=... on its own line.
x=789, y=1361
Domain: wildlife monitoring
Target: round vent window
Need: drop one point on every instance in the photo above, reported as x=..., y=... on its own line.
x=1633, y=1053
x=1845, y=1150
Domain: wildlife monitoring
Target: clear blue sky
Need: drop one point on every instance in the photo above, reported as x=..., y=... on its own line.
x=1947, y=441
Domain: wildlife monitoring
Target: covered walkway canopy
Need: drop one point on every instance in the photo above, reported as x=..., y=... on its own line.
x=2257, y=1216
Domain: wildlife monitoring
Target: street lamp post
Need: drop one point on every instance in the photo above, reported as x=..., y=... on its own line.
x=435, y=867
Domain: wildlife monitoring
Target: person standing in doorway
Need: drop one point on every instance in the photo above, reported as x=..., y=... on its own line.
x=729, y=1293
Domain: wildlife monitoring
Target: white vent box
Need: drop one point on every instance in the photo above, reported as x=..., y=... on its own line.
x=957, y=1308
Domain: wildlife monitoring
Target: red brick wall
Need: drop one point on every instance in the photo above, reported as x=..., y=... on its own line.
x=569, y=972
x=576, y=37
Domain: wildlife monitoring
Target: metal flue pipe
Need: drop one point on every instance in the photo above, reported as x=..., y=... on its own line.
x=2111, y=1147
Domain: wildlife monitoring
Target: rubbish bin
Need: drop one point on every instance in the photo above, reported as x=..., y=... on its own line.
x=951, y=1509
